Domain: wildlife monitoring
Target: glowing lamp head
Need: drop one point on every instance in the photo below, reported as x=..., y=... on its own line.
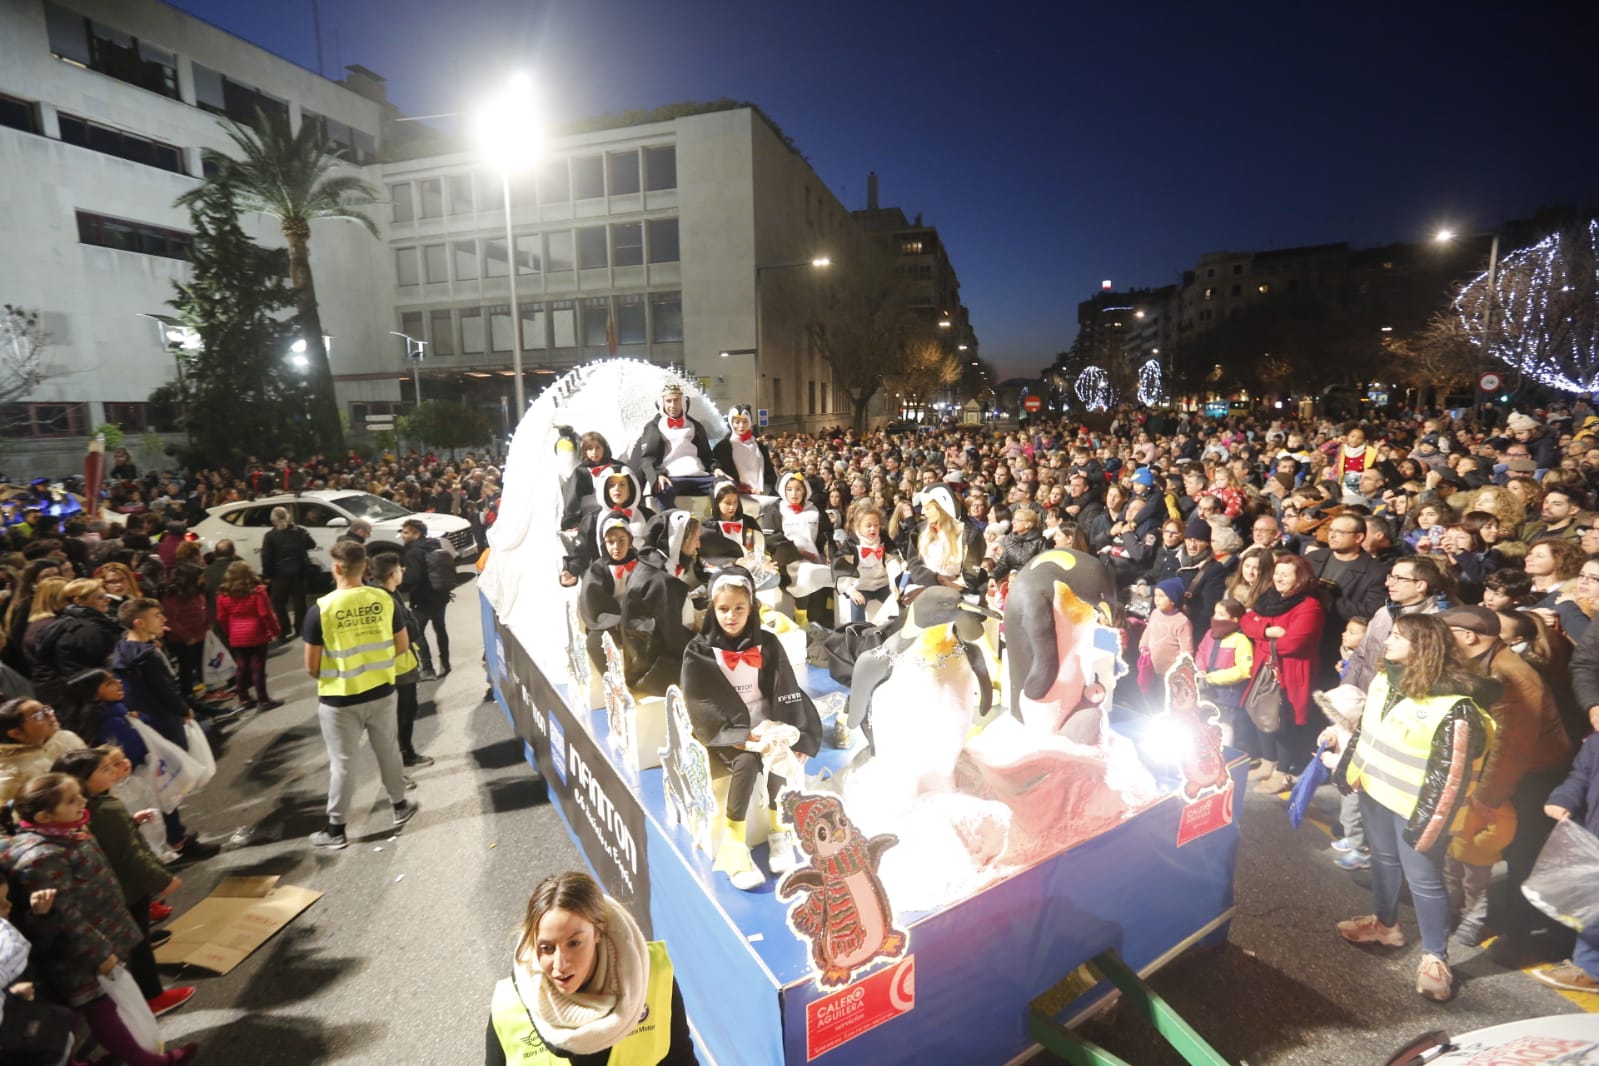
x=507, y=127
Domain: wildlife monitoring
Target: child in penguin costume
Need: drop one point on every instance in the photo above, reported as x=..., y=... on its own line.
x=800, y=538
x=861, y=566
x=620, y=494
x=729, y=534
x=656, y=614
x=743, y=457
x=736, y=681
x=604, y=585
x=944, y=549
x=674, y=452
x=581, y=494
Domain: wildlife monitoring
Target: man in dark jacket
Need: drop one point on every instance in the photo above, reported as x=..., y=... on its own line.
x=1204, y=578
x=286, y=563
x=1355, y=583
x=427, y=604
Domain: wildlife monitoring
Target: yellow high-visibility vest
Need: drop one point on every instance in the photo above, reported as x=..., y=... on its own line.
x=357, y=641
x=645, y=1045
x=1389, y=762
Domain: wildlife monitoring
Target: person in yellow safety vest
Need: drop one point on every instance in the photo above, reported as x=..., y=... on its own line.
x=586, y=989
x=352, y=638
x=1415, y=758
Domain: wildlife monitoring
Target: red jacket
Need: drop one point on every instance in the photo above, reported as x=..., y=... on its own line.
x=1297, y=648
x=246, y=621
x=185, y=618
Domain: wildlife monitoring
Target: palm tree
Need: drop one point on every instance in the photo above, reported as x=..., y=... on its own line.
x=288, y=178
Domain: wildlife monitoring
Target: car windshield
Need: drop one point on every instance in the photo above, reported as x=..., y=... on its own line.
x=372, y=508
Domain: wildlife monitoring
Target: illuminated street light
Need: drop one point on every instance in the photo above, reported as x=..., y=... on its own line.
x=509, y=136
x=821, y=261
x=1446, y=235
x=961, y=347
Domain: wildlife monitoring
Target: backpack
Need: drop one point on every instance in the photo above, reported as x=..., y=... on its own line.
x=441, y=570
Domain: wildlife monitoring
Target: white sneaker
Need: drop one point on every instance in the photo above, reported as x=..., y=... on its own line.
x=784, y=854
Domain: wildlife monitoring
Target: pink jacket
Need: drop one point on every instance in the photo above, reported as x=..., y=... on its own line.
x=246, y=621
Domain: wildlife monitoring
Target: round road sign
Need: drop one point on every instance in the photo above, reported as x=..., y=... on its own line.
x=1034, y=404
x=1489, y=382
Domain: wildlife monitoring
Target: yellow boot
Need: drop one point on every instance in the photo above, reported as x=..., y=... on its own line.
x=733, y=859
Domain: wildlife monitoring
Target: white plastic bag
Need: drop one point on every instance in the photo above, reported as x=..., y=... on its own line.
x=137, y=793
x=200, y=751
x=170, y=770
x=132, y=1010
x=1564, y=882
x=219, y=669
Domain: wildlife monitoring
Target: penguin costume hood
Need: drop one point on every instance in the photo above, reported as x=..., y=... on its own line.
x=722, y=540
x=941, y=494
x=745, y=458
x=663, y=539
x=655, y=614
x=598, y=605
x=782, y=488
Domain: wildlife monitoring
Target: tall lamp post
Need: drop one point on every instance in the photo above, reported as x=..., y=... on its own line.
x=1445, y=235
x=414, y=353
x=820, y=262
x=508, y=135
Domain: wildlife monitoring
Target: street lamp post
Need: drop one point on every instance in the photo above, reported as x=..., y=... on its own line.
x=414, y=350
x=1487, y=316
x=820, y=262
x=508, y=134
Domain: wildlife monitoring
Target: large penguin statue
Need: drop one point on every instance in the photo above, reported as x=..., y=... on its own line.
x=1056, y=603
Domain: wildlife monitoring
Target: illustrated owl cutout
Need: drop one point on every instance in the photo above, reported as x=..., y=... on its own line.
x=686, y=768
x=845, y=912
x=577, y=657
x=1203, y=765
x=620, y=710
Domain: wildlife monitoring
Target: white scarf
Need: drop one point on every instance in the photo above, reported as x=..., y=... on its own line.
x=592, y=1020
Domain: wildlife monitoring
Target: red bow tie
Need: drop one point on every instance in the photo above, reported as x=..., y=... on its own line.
x=674, y=423
x=732, y=529
x=625, y=568
x=872, y=553
x=750, y=657
x=623, y=510
x=747, y=437
x=596, y=471
x=796, y=507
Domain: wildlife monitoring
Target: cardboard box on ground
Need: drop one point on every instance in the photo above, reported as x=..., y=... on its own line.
x=239, y=915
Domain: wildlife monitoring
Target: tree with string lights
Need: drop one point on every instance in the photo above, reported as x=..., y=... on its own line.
x=1541, y=313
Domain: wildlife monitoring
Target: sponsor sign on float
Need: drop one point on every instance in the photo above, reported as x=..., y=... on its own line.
x=839, y=1018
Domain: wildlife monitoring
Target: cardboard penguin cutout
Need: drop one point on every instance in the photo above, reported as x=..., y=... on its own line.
x=620, y=708
x=686, y=767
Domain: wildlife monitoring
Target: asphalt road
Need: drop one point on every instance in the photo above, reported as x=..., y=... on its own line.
x=397, y=961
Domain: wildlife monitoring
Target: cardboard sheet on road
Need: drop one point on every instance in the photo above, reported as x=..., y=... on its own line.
x=239, y=915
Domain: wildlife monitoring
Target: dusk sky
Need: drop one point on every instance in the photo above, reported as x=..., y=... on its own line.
x=1054, y=145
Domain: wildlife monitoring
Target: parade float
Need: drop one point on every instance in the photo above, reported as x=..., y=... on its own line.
x=993, y=824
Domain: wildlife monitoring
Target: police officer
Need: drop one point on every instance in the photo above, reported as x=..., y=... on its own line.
x=352, y=638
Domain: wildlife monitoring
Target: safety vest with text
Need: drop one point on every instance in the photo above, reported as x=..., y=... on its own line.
x=645, y=1045
x=357, y=641
x=1389, y=762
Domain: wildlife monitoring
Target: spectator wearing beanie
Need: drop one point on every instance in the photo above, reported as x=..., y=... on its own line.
x=1204, y=579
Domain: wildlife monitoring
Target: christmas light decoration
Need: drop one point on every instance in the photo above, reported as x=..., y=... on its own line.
x=1151, y=389
x=1545, y=310
x=1094, y=389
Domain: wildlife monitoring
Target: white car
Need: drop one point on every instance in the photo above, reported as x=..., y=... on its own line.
x=326, y=515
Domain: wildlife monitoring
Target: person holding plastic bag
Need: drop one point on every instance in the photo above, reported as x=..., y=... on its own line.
x=31, y=1030
x=1576, y=799
x=1415, y=757
x=53, y=849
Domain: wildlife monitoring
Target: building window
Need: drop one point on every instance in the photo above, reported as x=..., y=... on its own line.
x=591, y=250
x=1210, y=294
x=666, y=317
x=221, y=95
x=411, y=324
x=777, y=395
x=588, y=177
x=460, y=193
x=596, y=317
x=405, y=270
x=144, y=417
x=810, y=400
x=472, y=331
x=494, y=265
x=660, y=168
x=533, y=326
x=435, y=264
x=44, y=419
x=1237, y=290
x=19, y=114
x=524, y=192
x=1210, y=273
x=563, y=324
x=465, y=260
x=529, y=255
x=432, y=190
x=400, y=195
x=1238, y=268
x=663, y=240
x=338, y=138
x=560, y=251
x=500, y=328
x=111, y=52
x=555, y=184
x=133, y=236
x=910, y=248
x=826, y=400
x=107, y=141
x=630, y=319
x=627, y=244
x=442, y=328
x=624, y=173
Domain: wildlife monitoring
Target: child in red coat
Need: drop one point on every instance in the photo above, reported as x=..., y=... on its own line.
x=248, y=623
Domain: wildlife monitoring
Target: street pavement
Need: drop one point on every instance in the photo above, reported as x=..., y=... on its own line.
x=396, y=963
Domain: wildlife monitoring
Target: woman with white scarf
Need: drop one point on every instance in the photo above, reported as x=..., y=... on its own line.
x=586, y=988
